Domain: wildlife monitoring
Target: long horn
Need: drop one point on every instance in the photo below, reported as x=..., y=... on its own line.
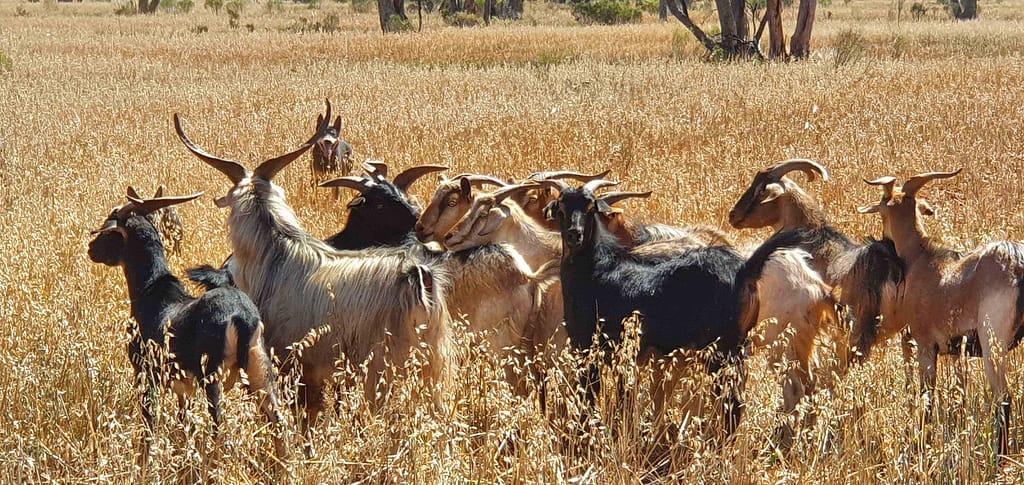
x=234, y=170
x=593, y=185
x=567, y=174
x=160, y=189
x=269, y=168
x=349, y=181
x=808, y=167
x=612, y=197
x=376, y=169
x=411, y=174
x=327, y=119
x=510, y=190
x=558, y=185
x=910, y=187
x=887, y=183
x=135, y=193
x=147, y=206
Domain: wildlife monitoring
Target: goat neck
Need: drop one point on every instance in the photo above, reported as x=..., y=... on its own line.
x=798, y=209
x=151, y=286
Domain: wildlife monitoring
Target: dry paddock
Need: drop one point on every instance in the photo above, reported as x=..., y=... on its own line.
x=86, y=99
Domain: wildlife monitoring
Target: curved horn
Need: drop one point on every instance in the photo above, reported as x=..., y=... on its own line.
x=567, y=174
x=593, y=185
x=135, y=193
x=558, y=185
x=234, y=170
x=808, y=167
x=376, y=168
x=410, y=175
x=349, y=181
x=887, y=183
x=327, y=118
x=510, y=190
x=478, y=180
x=160, y=189
x=911, y=186
x=269, y=168
x=612, y=197
x=147, y=206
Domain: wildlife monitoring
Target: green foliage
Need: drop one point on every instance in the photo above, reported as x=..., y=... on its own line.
x=234, y=9
x=326, y=25
x=214, y=5
x=918, y=10
x=650, y=6
x=177, y=6
x=398, y=24
x=273, y=6
x=825, y=3
x=463, y=19
x=850, y=46
x=608, y=12
x=6, y=64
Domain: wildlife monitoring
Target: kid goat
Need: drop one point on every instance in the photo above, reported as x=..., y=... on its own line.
x=219, y=331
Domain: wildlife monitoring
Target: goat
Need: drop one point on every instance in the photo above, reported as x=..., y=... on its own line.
x=167, y=221
x=366, y=305
x=331, y=153
x=492, y=286
x=203, y=338
x=631, y=233
x=534, y=201
x=947, y=294
x=382, y=214
x=694, y=299
x=450, y=202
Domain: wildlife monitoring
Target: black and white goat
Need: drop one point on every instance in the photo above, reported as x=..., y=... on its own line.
x=206, y=340
x=694, y=299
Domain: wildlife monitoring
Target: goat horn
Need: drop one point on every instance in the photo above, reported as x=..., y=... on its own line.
x=327, y=119
x=556, y=184
x=612, y=197
x=911, y=186
x=567, y=174
x=268, y=169
x=376, y=168
x=160, y=189
x=147, y=206
x=410, y=175
x=478, y=180
x=808, y=167
x=593, y=185
x=349, y=181
x=887, y=183
x=234, y=170
x=509, y=190
x=135, y=193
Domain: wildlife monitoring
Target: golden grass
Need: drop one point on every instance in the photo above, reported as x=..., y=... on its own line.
x=86, y=110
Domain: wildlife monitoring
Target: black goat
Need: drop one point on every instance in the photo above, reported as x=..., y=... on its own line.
x=179, y=336
x=382, y=214
x=694, y=299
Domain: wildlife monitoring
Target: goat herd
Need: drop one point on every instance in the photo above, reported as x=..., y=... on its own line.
x=535, y=265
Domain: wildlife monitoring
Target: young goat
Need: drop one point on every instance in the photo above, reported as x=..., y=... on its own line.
x=331, y=153
x=948, y=294
x=690, y=300
x=201, y=337
x=367, y=305
x=167, y=221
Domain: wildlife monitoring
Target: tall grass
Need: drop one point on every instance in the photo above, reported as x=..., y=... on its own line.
x=87, y=110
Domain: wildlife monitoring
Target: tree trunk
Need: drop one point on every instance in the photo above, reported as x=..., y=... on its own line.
x=453, y=7
x=800, y=44
x=728, y=25
x=968, y=10
x=515, y=9
x=680, y=12
x=776, y=39
x=739, y=17
x=662, y=10
x=488, y=6
x=400, y=9
x=386, y=8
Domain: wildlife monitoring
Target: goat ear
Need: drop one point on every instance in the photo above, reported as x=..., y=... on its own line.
x=221, y=202
x=868, y=209
x=773, y=191
x=925, y=208
x=495, y=217
x=337, y=125
x=603, y=207
x=465, y=187
x=549, y=210
x=356, y=202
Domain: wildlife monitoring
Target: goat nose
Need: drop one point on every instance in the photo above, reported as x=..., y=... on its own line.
x=574, y=234
x=418, y=227
x=449, y=237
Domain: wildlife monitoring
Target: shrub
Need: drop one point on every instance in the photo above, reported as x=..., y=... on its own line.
x=850, y=46
x=126, y=9
x=273, y=6
x=463, y=19
x=6, y=64
x=20, y=12
x=918, y=10
x=651, y=6
x=608, y=12
x=234, y=9
x=327, y=25
x=363, y=6
x=177, y=6
x=397, y=24
x=199, y=29
x=214, y=5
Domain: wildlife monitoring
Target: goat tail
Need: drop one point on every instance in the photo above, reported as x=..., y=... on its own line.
x=244, y=333
x=210, y=277
x=747, y=277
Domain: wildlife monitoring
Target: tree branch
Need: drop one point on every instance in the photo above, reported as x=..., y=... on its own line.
x=681, y=13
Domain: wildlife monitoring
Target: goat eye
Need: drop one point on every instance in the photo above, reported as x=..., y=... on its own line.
x=452, y=202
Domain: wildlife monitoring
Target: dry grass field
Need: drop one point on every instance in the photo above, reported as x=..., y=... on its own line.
x=85, y=110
